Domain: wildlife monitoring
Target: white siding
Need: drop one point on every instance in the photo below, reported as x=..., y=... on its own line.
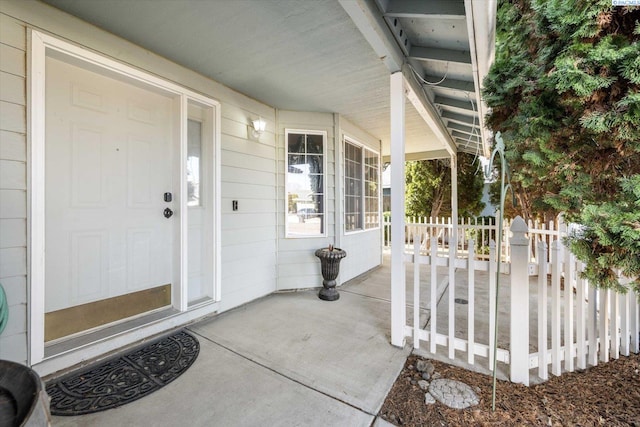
x=364, y=248
x=257, y=257
x=249, y=235
x=298, y=268
x=13, y=184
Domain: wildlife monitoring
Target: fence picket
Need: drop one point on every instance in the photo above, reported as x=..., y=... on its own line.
x=433, y=313
x=416, y=292
x=556, y=369
x=614, y=324
x=581, y=344
x=569, y=274
x=452, y=291
x=624, y=324
x=603, y=319
x=592, y=327
x=634, y=315
x=493, y=263
x=471, y=303
x=543, y=268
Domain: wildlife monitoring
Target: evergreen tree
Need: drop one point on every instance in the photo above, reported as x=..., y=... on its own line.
x=428, y=187
x=565, y=93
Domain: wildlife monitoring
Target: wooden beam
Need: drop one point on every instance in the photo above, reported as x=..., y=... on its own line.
x=440, y=55
x=454, y=104
x=366, y=17
x=422, y=155
x=471, y=130
x=460, y=118
x=451, y=84
x=466, y=137
x=443, y=9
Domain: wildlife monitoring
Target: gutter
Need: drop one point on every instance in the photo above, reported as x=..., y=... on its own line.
x=481, y=26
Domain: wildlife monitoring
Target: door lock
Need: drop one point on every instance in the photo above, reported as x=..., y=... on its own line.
x=168, y=213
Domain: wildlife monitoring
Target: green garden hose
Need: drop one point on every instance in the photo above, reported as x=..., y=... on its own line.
x=4, y=310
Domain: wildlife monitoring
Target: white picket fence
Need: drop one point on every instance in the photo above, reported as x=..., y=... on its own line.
x=480, y=230
x=577, y=325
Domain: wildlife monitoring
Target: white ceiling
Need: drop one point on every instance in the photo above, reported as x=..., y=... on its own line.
x=305, y=55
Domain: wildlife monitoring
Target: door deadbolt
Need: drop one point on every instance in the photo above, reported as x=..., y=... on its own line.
x=168, y=213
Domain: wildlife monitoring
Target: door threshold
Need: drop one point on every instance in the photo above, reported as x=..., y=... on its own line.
x=105, y=333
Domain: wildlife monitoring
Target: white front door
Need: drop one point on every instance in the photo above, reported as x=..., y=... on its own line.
x=109, y=162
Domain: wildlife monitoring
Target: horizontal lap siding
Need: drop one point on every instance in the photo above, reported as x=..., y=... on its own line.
x=297, y=266
x=248, y=172
x=13, y=185
x=364, y=249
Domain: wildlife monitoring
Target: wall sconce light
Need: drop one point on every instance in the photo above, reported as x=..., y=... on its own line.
x=259, y=126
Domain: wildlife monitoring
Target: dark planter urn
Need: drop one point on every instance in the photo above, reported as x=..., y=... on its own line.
x=330, y=263
x=23, y=399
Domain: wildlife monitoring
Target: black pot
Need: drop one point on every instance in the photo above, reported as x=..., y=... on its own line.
x=23, y=400
x=330, y=263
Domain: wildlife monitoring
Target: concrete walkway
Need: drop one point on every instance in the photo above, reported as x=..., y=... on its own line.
x=285, y=360
x=291, y=359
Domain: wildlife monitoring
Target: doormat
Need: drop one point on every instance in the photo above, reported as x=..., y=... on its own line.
x=119, y=381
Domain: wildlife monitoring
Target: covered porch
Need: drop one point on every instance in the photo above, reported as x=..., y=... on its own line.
x=358, y=81
x=286, y=359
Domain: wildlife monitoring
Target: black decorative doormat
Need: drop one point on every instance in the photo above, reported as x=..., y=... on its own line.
x=119, y=381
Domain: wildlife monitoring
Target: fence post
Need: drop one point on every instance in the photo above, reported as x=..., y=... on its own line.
x=519, y=339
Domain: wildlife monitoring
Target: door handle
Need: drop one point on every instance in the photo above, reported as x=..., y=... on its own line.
x=168, y=213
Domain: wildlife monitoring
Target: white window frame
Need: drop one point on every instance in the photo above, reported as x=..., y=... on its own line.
x=322, y=133
x=363, y=210
x=42, y=45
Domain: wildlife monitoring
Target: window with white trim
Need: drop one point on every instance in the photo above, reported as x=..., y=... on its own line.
x=305, y=167
x=361, y=187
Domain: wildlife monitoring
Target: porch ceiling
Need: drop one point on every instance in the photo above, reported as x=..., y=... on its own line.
x=312, y=55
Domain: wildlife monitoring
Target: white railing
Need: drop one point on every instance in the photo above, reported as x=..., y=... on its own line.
x=481, y=230
x=586, y=325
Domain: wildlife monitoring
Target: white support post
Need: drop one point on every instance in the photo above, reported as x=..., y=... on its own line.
x=398, y=285
x=543, y=268
x=453, y=249
x=519, y=331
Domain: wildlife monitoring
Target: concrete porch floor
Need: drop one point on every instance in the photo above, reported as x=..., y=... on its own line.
x=290, y=359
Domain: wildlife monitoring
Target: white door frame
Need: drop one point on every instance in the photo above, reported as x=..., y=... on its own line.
x=40, y=46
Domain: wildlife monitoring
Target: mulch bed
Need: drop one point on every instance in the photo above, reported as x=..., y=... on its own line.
x=604, y=395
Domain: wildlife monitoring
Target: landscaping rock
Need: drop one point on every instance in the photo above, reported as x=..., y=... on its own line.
x=454, y=394
x=423, y=384
x=425, y=366
x=428, y=399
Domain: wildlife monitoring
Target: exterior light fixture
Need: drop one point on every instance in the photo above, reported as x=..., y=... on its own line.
x=259, y=127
